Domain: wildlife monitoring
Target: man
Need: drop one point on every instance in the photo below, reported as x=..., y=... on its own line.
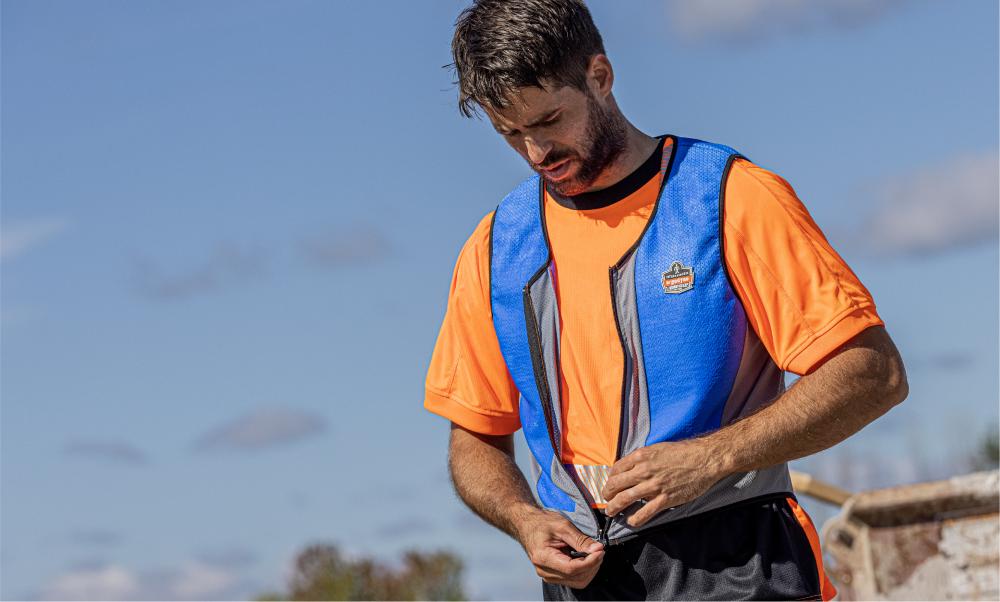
x=633, y=306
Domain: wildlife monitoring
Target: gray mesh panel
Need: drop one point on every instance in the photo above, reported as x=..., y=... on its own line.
x=637, y=425
x=758, y=381
x=581, y=516
x=543, y=299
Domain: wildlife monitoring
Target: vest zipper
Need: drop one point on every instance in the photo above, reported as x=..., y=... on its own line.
x=612, y=275
x=541, y=382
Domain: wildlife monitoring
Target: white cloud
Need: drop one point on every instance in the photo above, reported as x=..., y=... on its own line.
x=110, y=582
x=746, y=20
x=20, y=235
x=197, y=581
x=192, y=581
x=950, y=205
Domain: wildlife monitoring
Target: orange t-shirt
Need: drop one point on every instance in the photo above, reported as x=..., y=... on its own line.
x=800, y=297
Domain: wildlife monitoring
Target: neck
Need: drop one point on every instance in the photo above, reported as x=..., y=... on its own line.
x=638, y=147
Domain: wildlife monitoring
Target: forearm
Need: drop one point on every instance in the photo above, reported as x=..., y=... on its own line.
x=488, y=480
x=853, y=388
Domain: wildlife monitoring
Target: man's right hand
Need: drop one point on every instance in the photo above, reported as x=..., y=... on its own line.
x=547, y=537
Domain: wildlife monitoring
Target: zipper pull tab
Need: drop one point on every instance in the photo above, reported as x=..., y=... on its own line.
x=602, y=535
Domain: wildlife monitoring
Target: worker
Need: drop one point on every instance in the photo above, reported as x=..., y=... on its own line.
x=633, y=306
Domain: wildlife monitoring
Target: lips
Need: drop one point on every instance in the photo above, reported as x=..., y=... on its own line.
x=557, y=171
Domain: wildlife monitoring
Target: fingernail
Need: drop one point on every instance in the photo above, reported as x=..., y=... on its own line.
x=595, y=547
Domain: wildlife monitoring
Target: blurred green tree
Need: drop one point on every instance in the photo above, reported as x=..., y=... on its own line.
x=322, y=573
x=987, y=453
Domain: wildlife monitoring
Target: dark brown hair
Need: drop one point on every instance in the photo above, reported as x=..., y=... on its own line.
x=502, y=45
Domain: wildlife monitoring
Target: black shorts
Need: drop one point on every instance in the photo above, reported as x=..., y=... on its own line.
x=753, y=550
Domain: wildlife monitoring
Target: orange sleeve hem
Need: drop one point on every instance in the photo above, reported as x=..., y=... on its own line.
x=826, y=340
x=474, y=420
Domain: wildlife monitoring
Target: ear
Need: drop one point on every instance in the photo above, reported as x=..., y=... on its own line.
x=600, y=75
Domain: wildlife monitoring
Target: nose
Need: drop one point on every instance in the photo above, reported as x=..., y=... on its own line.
x=537, y=150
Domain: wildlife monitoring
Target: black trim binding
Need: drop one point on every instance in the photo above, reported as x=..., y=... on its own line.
x=541, y=213
x=722, y=217
x=489, y=264
x=612, y=273
x=656, y=204
x=535, y=345
x=538, y=363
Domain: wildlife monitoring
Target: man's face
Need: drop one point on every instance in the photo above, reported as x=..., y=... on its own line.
x=564, y=134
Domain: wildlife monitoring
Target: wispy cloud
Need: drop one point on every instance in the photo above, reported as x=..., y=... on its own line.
x=112, y=451
x=413, y=525
x=339, y=247
x=17, y=236
x=469, y=521
x=95, y=537
x=230, y=557
x=264, y=428
x=193, y=580
x=951, y=205
x=228, y=264
x=951, y=361
x=743, y=21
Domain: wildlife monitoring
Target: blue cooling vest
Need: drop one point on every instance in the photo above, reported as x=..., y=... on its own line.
x=681, y=326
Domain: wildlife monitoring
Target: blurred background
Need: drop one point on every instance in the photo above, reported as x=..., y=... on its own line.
x=229, y=228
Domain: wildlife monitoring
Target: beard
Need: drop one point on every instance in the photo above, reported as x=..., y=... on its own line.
x=604, y=141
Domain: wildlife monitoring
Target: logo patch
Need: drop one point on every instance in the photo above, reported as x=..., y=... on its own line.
x=678, y=278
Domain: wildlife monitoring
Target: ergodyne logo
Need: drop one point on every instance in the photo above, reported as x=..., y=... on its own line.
x=678, y=278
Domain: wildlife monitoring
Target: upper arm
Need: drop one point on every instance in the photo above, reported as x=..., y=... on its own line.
x=460, y=435
x=467, y=380
x=800, y=296
x=872, y=355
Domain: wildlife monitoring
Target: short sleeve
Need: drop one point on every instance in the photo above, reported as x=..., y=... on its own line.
x=468, y=381
x=800, y=296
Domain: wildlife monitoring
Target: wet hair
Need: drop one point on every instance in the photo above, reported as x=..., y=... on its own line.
x=502, y=45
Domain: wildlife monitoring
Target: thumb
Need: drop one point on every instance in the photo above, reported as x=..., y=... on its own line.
x=580, y=541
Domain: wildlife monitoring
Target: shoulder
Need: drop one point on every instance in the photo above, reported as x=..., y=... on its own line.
x=755, y=176
x=521, y=200
x=760, y=194
x=478, y=241
x=706, y=146
x=472, y=267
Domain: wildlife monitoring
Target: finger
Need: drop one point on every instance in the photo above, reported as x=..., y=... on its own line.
x=626, y=498
x=620, y=482
x=557, y=562
x=648, y=511
x=625, y=463
x=558, y=578
x=576, y=539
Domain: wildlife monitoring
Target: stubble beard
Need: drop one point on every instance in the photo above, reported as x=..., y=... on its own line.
x=605, y=143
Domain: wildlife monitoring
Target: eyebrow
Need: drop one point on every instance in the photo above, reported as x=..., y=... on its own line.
x=534, y=123
x=542, y=119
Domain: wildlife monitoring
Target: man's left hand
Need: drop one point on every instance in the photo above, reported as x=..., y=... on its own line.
x=664, y=474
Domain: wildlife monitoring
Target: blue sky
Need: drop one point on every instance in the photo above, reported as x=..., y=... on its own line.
x=228, y=231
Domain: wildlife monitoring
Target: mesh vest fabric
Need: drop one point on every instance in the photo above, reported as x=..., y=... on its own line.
x=689, y=353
